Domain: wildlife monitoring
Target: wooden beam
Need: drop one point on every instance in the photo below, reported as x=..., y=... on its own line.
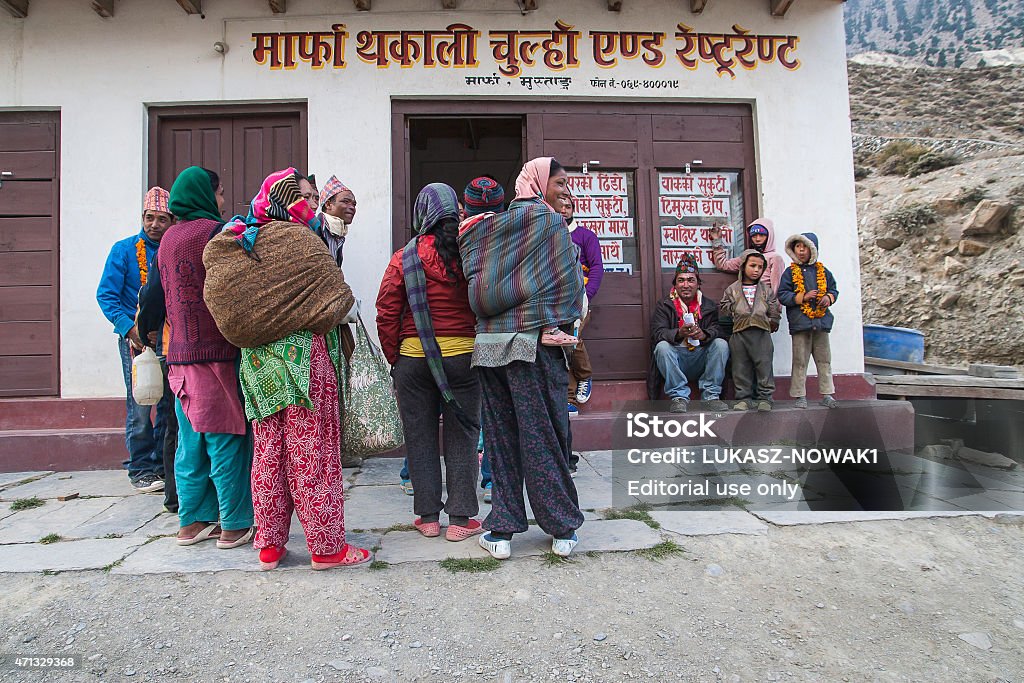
x=191, y=6
x=16, y=8
x=278, y=6
x=780, y=7
x=104, y=8
x=614, y=5
x=449, y=4
x=362, y=5
x=697, y=6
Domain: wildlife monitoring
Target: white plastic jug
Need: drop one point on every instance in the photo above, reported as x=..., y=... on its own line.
x=147, y=378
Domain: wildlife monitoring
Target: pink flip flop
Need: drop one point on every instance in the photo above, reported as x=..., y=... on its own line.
x=557, y=337
x=461, y=533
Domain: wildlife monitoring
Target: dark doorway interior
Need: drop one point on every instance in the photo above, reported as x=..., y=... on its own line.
x=456, y=150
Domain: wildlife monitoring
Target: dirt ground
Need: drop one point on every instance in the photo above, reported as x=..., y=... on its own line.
x=874, y=601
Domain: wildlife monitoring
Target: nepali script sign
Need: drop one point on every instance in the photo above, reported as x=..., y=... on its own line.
x=460, y=46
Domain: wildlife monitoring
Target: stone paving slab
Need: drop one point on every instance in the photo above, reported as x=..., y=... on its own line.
x=791, y=518
x=165, y=556
x=5, y=510
x=95, y=553
x=8, y=479
x=615, y=535
x=163, y=524
x=378, y=472
x=124, y=517
x=377, y=507
x=88, y=483
x=28, y=526
x=710, y=522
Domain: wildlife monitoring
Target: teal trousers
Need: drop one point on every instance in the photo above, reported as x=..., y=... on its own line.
x=213, y=474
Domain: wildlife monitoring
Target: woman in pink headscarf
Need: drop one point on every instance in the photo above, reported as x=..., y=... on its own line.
x=524, y=278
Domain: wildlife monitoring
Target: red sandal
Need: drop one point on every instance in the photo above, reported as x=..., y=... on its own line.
x=271, y=556
x=428, y=529
x=348, y=556
x=461, y=533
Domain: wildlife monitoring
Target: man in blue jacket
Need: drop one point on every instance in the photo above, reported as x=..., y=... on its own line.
x=125, y=272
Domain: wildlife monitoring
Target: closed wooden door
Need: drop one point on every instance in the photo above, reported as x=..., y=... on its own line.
x=29, y=254
x=243, y=145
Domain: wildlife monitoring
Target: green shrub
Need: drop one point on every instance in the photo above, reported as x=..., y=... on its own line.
x=897, y=157
x=931, y=161
x=910, y=220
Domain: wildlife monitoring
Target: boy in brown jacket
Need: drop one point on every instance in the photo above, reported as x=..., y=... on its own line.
x=755, y=312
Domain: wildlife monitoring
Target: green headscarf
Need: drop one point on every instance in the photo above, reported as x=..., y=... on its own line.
x=192, y=196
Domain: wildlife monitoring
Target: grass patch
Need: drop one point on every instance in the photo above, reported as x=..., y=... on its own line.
x=910, y=220
x=114, y=536
x=662, y=550
x=734, y=501
x=593, y=553
x=51, y=538
x=27, y=504
x=968, y=196
x=551, y=560
x=400, y=527
x=112, y=565
x=470, y=564
x=377, y=565
x=640, y=512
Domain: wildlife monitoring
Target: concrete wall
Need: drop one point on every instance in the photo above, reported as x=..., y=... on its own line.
x=103, y=73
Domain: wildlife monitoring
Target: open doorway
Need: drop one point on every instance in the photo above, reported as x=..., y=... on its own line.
x=454, y=150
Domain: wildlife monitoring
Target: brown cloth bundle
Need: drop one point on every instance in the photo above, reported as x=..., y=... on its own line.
x=290, y=283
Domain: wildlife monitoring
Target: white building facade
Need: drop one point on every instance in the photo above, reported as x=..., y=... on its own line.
x=683, y=120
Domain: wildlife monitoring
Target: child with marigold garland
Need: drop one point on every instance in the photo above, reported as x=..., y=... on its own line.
x=808, y=291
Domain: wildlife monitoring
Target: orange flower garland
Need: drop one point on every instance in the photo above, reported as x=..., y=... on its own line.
x=140, y=256
x=801, y=288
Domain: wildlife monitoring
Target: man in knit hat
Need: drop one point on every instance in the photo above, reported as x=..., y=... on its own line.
x=126, y=270
x=687, y=343
x=338, y=210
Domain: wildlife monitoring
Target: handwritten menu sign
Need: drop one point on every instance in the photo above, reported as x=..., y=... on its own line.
x=603, y=205
x=689, y=206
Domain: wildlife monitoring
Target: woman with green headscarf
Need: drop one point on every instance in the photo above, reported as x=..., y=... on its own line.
x=213, y=461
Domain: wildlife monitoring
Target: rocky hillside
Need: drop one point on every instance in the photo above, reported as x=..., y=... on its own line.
x=940, y=202
x=936, y=32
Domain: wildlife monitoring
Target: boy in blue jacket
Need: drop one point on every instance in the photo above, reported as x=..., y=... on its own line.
x=808, y=291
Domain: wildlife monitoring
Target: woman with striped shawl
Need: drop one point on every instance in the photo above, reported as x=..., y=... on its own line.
x=426, y=331
x=524, y=278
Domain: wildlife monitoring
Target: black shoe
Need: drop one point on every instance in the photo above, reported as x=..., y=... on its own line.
x=148, y=483
x=679, y=405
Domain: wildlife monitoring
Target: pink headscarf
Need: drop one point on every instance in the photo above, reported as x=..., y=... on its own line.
x=532, y=182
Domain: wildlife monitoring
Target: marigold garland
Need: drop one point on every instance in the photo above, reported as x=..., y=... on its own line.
x=801, y=288
x=140, y=256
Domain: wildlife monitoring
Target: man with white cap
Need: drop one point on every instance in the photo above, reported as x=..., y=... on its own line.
x=126, y=270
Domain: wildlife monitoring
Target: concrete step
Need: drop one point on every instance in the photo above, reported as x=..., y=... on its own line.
x=61, y=449
x=61, y=413
x=888, y=425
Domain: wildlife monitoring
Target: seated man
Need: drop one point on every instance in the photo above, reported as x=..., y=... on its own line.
x=687, y=342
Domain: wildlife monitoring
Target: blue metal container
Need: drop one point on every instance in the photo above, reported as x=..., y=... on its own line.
x=894, y=343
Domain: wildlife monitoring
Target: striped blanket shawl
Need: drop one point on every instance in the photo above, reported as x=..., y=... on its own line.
x=522, y=268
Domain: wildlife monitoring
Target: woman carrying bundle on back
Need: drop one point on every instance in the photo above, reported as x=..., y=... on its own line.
x=525, y=285
x=291, y=364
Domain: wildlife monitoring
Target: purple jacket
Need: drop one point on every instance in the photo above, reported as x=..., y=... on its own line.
x=590, y=257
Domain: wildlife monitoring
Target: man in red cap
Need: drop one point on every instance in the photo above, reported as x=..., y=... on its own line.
x=126, y=271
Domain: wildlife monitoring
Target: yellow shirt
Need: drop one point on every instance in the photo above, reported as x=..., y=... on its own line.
x=450, y=346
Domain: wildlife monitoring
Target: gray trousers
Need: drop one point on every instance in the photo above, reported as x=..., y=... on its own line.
x=751, y=352
x=420, y=403
x=812, y=343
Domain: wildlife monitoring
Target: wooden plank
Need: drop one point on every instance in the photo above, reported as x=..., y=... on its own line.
x=590, y=126
x=620, y=288
x=19, y=268
x=26, y=234
x=697, y=6
x=278, y=6
x=27, y=137
x=697, y=128
x=612, y=155
x=672, y=155
x=914, y=390
x=780, y=7
x=915, y=368
x=27, y=338
x=28, y=376
x=616, y=322
x=104, y=8
x=949, y=381
x=191, y=6
x=619, y=358
x=17, y=8
x=28, y=165
x=24, y=304
x=26, y=198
